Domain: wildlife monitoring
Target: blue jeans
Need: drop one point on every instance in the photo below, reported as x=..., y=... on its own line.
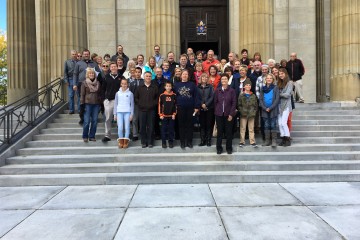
x=167, y=129
x=270, y=123
x=123, y=119
x=71, y=93
x=90, y=120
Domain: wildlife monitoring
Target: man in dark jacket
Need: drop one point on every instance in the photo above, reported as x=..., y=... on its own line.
x=110, y=86
x=79, y=76
x=120, y=53
x=296, y=70
x=146, y=97
x=133, y=87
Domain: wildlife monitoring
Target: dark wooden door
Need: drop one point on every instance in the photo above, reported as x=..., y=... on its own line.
x=216, y=20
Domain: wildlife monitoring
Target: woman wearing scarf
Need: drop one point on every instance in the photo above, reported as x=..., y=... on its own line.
x=269, y=101
x=90, y=96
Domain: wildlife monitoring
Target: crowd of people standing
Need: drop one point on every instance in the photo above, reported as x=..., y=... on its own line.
x=163, y=99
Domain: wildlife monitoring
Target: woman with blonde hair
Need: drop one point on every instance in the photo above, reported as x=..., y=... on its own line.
x=90, y=96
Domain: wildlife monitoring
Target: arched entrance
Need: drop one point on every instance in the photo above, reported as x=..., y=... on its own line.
x=204, y=25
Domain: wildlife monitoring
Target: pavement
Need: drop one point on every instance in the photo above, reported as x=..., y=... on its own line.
x=253, y=211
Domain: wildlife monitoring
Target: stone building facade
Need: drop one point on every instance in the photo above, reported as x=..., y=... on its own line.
x=324, y=33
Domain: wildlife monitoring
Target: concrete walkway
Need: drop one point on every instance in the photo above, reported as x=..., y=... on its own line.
x=201, y=211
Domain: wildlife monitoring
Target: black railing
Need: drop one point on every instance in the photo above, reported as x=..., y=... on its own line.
x=20, y=117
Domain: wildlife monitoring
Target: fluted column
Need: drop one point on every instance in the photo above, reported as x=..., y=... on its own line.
x=21, y=39
x=163, y=26
x=43, y=41
x=345, y=48
x=68, y=30
x=256, y=24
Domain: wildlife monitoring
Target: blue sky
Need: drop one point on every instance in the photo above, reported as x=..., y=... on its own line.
x=3, y=15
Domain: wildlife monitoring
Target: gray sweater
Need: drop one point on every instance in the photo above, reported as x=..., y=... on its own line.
x=285, y=97
x=80, y=70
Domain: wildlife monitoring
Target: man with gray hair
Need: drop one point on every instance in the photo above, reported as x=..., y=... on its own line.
x=232, y=57
x=296, y=70
x=209, y=61
x=69, y=66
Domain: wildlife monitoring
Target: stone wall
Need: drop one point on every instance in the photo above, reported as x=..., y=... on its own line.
x=113, y=22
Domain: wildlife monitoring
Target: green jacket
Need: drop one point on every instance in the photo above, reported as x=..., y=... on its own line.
x=247, y=106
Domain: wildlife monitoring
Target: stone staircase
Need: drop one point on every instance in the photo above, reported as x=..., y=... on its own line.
x=326, y=147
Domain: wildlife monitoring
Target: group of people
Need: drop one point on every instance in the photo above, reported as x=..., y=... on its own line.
x=164, y=98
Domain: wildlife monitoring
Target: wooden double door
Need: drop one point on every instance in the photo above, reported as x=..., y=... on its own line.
x=214, y=33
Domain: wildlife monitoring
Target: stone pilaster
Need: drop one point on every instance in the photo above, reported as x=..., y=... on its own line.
x=345, y=48
x=68, y=30
x=234, y=30
x=43, y=41
x=21, y=39
x=163, y=26
x=256, y=24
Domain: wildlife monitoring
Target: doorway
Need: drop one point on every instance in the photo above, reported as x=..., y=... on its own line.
x=212, y=15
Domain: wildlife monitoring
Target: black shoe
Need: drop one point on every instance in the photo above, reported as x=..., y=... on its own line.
x=182, y=145
x=135, y=139
x=287, y=142
x=189, y=145
x=282, y=141
x=208, y=143
x=105, y=139
x=164, y=145
x=229, y=151
x=219, y=151
x=202, y=143
x=72, y=112
x=81, y=122
x=143, y=145
x=151, y=146
x=171, y=145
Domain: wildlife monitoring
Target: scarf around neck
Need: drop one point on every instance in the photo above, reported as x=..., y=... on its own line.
x=93, y=85
x=267, y=89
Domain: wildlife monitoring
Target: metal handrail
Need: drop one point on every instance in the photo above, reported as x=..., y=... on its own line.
x=20, y=117
x=30, y=95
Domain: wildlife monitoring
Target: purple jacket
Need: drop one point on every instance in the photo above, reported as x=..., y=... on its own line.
x=228, y=97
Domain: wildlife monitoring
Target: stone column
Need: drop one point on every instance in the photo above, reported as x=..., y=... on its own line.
x=256, y=24
x=163, y=26
x=234, y=30
x=68, y=30
x=345, y=48
x=43, y=41
x=21, y=39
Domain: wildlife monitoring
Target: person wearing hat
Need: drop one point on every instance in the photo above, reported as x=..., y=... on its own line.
x=247, y=106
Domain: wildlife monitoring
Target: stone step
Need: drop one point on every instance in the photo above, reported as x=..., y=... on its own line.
x=326, y=122
x=179, y=167
x=326, y=127
x=78, y=142
x=180, y=177
x=112, y=148
x=295, y=134
x=182, y=157
x=316, y=127
x=300, y=116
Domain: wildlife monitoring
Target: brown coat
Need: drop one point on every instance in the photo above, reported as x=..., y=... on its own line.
x=89, y=97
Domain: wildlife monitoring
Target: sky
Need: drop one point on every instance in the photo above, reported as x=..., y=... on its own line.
x=3, y=15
